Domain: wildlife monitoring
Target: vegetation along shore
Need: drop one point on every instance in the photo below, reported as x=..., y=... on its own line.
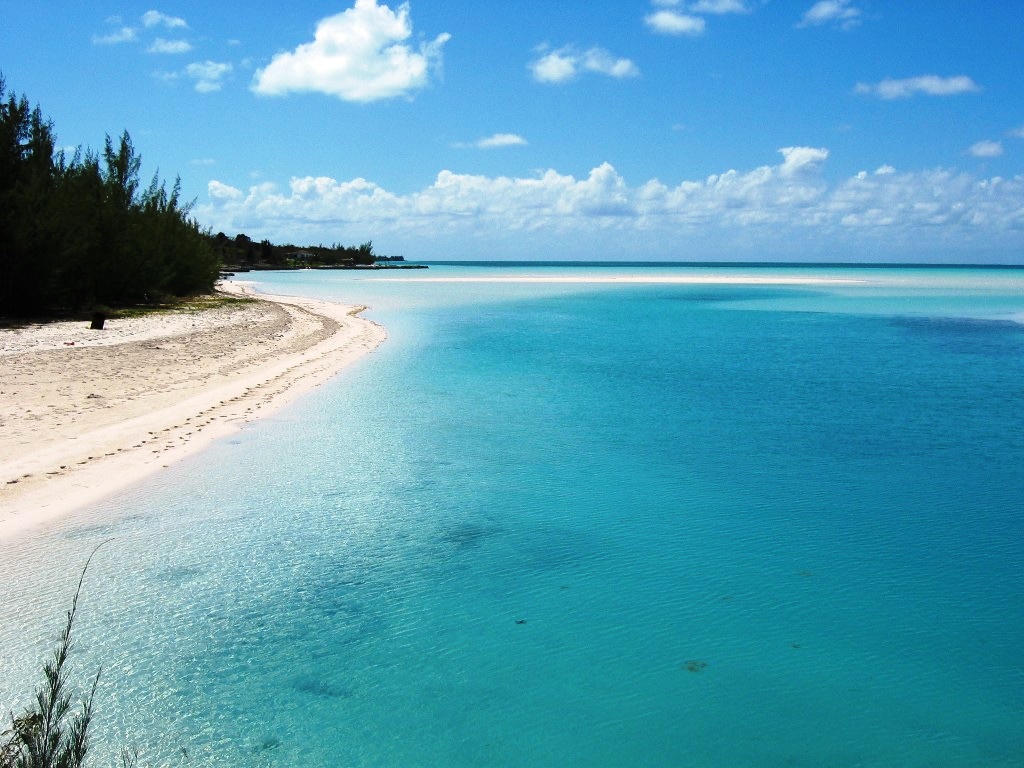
x=80, y=233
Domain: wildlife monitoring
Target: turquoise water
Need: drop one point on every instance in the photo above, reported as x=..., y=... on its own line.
x=554, y=524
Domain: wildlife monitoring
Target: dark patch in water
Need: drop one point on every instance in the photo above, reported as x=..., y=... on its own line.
x=967, y=335
x=341, y=606
x=178, y=574
x=465, y=535
x=738, y=293
x=316, y=686
x=267, y=743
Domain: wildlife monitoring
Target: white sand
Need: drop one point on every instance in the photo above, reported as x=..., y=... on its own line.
x=85, y=413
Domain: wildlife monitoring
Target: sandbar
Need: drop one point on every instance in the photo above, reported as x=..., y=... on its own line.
x=85, y=413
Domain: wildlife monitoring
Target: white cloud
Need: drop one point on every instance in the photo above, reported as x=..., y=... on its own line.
x=838, y=12
x=783, y=206
x=169, y=46
x=357, y=55
x=675, y=23
x=600, y=61
x=986, y=149
x=157, y=19
x=801, y=159
x=566, y=63
x=555, y=67
x=715, y=7
x=1017, y=133
x=223, y=192
x=930, y=85
x=501, y=140
x=209, y=75
x=122, y=35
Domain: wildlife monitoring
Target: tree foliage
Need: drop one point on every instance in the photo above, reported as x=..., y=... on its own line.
x=47, y=734
x=242, y=252
x=81, y=231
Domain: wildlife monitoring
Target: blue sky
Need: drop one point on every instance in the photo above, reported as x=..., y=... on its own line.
x=665, y=129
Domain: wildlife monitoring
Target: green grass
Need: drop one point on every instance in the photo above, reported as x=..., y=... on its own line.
x=183, y=304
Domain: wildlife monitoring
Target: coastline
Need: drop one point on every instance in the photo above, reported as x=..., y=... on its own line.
x=84, y=415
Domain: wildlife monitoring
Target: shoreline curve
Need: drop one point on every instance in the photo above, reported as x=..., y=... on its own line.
x=86, y=418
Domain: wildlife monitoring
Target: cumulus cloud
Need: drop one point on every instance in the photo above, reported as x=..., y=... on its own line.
x=785, y=204
x=929, y=85
x=1017, y=133
x=555, y=67
x=675, y=23
x=801, y=159
x=986, y=149
x=157, y=19
x=841, y=13
x=567, y=63
x=223, y=193
x=686, y=18
x=358, y=55
x=209, y=75
x=169, y=46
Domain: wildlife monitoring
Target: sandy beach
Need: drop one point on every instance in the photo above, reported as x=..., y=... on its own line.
x=84, y=413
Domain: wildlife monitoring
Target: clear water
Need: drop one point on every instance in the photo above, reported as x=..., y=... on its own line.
x=580, y=525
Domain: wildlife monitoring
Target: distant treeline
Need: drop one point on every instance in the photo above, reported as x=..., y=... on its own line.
x=80, y=232
x=241, y=252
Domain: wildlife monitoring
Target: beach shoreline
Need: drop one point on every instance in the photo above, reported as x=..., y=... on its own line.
x=84, y=413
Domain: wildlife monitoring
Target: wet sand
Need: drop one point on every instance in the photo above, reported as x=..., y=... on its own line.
x=85, y=413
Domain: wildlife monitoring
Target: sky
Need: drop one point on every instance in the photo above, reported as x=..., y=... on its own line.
x=752, y=130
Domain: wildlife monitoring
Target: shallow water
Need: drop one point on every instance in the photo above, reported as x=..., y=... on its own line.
x=571, y=524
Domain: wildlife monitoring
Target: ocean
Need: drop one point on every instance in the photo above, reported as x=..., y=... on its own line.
x=559, y=523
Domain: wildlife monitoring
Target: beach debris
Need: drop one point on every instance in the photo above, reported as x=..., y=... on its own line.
x=694, y=665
